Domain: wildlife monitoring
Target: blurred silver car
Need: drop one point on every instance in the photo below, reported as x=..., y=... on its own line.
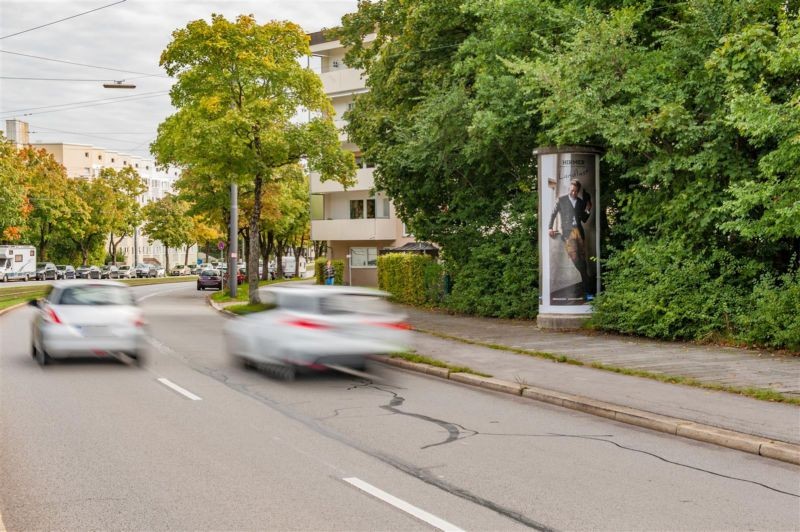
x=87, y=318
x=316, y=327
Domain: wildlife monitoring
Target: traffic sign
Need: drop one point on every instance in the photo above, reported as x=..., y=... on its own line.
x=221, y=245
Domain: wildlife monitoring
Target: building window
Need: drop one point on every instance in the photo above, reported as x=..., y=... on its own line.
x=112, y=159
x=99, y=157
x=371, y=208
x=363, y=257
x=147, y=167
x=124, y=163
x=137, y=165
x=356, y=209
x=385, y=205
x=86, y=154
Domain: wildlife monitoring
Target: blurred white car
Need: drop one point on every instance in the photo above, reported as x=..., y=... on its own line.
x=87, y=318
x=317, y=327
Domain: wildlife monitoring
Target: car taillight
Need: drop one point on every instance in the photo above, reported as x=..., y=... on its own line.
x=401, y=325
x=306, y=324
x=138, y=322
x=51, y=316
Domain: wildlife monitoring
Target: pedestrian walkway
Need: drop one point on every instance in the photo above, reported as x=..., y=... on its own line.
x=741, y=368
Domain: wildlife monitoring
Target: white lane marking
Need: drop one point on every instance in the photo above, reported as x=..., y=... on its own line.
x=420, y=514
x=182, y=391
x=148, y=296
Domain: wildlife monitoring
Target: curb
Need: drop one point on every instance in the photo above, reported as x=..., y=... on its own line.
x=219, y=308
x=12, y=307
x=777, y=450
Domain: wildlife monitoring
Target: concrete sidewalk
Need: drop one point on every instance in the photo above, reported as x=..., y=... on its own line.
x=730, y=366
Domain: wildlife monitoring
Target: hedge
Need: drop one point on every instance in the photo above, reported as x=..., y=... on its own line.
x=319, y=270
x=410, y=278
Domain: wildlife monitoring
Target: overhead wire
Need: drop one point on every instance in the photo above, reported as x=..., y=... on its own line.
x=133, y=98
x=42, y=58
x=61, y=20
x=115, y=98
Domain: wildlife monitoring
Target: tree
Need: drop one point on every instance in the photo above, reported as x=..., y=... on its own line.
x=200, y=231
x=239, y=84
x=167, y=220
x=127, y=185
x=94, y=218
x=14, y=206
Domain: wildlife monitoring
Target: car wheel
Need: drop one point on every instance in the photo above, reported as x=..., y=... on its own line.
x=137, y=358
x=42, y=358
x=5, y=278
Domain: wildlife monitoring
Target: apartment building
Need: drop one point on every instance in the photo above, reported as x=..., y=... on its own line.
x=84, y=161
x=358, y=222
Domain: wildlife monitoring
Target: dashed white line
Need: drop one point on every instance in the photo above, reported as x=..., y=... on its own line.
x=182, y=391
x=400, y=504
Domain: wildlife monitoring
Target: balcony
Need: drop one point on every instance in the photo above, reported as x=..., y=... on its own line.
x=342, y=81
x=360, y=229
x=364, y=181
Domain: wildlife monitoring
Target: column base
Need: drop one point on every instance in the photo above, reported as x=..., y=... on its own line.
x=562, y=321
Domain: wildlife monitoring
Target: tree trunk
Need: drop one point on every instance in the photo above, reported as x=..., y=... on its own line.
x=266, y=250
x=166, y=259
x=297, y=250
x=280, y=245
x=252, y=252
x=42, y=243
x=114, y=245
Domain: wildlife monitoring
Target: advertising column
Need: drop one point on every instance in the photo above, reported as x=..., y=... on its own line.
x=569, y=236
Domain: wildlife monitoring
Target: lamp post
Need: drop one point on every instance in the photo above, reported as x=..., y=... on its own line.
x=349, y=269
x=233, y=270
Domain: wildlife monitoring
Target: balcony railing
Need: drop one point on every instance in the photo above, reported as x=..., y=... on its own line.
x=364, y=181
x=359, y=229
x=342, y=81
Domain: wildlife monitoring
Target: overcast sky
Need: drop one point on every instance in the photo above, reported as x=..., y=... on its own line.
x=128, y=36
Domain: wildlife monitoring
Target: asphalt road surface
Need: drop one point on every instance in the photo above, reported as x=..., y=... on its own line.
x=192, y=440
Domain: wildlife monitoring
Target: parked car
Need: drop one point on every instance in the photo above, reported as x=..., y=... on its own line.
x=65, y=271
x=209, y=279
x=146, y=270
x=240, y=276
x=109, y=271
x=87, y=319
x=88, y=272
x=178, y=270
x=160, y=271
x=46, y=271
x=193, y=269
x=311, y=327
x=125, y=272
x=140, y=270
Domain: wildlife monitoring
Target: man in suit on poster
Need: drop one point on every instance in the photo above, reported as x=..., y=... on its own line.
x=574, y=211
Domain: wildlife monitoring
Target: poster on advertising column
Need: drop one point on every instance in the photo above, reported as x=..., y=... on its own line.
x=568, y=229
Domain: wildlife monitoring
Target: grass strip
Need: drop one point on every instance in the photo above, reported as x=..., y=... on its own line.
x=223, y=296
x=5, y=303
x=422, y=359
x=247, y=308
x=761, y=394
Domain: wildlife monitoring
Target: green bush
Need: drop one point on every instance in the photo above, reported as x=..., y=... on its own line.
x=772, y=316
x=319, y=270
x=410, y=278
x=667, y=290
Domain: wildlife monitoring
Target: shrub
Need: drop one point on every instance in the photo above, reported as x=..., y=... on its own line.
x=500, y=278
x=667, y=290
x=410, y=278
x=772, y=315
x=319, y=270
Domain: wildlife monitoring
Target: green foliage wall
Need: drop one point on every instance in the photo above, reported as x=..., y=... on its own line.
x=410, y=278
x=694, y=104
x=319, y=270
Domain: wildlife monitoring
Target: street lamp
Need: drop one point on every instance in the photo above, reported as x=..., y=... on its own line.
x=349, y=269
x=119, y=85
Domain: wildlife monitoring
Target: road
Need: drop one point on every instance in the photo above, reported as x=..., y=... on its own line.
x=98, y=444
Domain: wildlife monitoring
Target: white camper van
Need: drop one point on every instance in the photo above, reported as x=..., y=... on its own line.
x=17, y=262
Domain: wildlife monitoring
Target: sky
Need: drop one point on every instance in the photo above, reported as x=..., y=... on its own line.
x=129, y=36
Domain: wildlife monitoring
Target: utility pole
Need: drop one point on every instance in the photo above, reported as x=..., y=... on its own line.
x=233, y=260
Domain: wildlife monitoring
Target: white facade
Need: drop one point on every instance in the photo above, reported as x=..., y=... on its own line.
x=84, y=161
x=356, y=222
